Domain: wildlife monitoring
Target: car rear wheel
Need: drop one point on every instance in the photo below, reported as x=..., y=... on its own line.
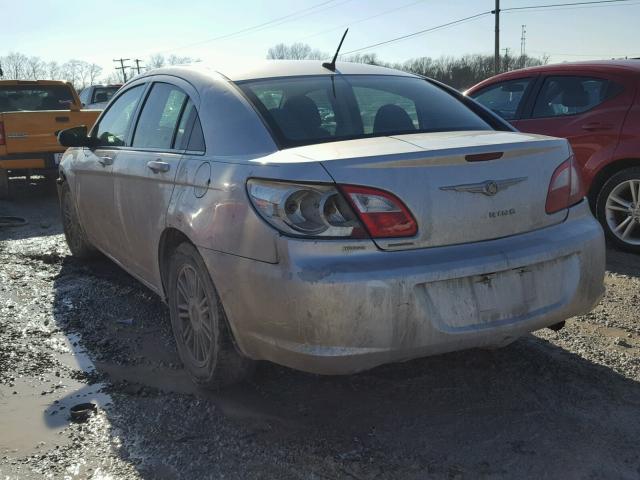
x=203, y=337
x=618, y=209
x=73, y=231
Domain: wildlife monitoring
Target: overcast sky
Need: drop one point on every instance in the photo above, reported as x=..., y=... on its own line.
x=101, y=31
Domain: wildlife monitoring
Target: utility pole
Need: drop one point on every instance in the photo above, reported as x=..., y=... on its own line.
x=137, y=60
x=122, y=67
x=496, y=52
x=523, y=41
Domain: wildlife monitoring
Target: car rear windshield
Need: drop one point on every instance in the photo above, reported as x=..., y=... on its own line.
x=316, y=109
x=103, y=94
x=16, y=98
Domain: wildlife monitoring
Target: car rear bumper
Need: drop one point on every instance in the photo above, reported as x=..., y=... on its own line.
x=328, y=309
x=30, y=161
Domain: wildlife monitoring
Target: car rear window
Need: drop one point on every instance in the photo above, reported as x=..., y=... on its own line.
x=16, y=98
x=103, y=94
x=315, y=109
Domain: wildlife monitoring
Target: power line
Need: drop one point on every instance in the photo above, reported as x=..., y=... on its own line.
x=386, y=12
x=420, y=32
x=532, y=7
x=271, y=23
x=482, y=14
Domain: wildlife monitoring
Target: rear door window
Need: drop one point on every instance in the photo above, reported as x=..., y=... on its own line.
x=193, y=141
x=115, y=124
x=570, y=95
x=504, y=98
x=159, y=118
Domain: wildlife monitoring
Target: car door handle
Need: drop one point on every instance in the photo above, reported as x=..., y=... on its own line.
x=593, y=126
x=157, y=166
x=105, y=160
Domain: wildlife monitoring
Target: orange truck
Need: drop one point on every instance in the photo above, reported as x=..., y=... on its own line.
x=31, y=115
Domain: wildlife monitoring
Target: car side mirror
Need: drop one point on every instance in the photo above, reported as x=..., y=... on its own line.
x=75, y=137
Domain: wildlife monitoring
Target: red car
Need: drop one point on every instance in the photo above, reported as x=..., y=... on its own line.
x=596, y=106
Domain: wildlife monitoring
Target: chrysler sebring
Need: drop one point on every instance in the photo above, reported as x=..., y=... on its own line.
x=330, y=220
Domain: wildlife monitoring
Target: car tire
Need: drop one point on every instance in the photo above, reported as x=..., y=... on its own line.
x=203, y=337
x=73, y=231
x=4, y=185
x=618, y=209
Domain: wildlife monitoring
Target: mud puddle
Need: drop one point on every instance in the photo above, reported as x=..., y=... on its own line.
x=34, y=411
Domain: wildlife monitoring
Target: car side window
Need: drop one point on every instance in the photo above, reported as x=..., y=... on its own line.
x=116, y=122
x=569, y=95
x=159, y=118
x=195, y=141
x=503, y=98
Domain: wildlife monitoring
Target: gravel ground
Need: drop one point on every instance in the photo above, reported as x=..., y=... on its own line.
x=551, y=405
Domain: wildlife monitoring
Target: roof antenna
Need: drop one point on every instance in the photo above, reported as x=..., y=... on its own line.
x=332, y=65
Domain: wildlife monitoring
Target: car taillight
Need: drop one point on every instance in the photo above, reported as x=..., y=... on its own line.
x=383, y=213
x=2, y=137
x=565, y=188
x=309, y=210
x=317, y=210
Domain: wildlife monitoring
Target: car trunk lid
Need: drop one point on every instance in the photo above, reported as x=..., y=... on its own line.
x=461, y=187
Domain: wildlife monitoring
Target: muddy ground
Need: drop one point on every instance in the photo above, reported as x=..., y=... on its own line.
x=551, y=405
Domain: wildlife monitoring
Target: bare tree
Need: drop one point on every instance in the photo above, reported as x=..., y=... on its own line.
x=35, y=69
x=14, y=65
x=177, y=60
x=94, y=71
x=53, y=70
x=295, y=51
x=156, y=61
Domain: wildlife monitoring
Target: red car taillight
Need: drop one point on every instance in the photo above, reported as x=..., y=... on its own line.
x=382, y=213
x=565, y=188
x=2, y=137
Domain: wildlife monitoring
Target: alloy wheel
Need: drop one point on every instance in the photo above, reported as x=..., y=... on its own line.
x=623, y=211
x=194, y=315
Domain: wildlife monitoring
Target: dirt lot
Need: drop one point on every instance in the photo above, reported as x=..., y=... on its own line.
x=551, y=405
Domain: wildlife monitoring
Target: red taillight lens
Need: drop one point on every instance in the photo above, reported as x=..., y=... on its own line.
x=565, y=188
x=382, y=213
x=2, y=137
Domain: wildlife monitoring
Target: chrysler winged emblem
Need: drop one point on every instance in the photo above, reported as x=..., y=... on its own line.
x=488, y=187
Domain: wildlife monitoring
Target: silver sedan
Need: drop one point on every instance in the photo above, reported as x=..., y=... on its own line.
x=330, y=221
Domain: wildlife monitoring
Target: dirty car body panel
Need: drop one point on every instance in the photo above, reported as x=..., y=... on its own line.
x=479, y=258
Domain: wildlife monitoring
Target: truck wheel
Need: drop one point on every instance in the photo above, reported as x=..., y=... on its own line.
x=73, y=231
x=4, y=184
x=618, y=209
x=203, y=337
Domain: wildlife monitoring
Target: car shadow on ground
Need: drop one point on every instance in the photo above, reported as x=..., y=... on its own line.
x=36, y=202
x=531, y=409
x=623, y=263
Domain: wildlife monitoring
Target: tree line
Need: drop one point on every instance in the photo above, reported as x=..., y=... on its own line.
x=458, y=72
x=18, y=66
